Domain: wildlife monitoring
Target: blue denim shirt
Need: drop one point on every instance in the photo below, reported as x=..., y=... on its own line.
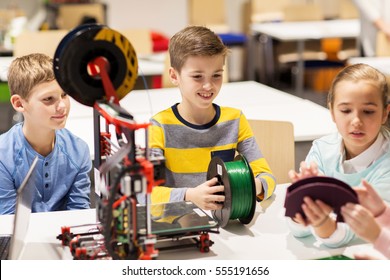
x=62, y=178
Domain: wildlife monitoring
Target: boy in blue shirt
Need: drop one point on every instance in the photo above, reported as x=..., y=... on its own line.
x=62, y=175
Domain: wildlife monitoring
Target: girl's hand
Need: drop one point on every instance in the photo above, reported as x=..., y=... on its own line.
x=370, y=199
x=318, y=216
x=363, y=256
x=361, y=221
x=304, y=172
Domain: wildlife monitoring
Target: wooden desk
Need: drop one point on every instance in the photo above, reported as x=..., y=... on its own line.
x=267, y=237
x=301, y=31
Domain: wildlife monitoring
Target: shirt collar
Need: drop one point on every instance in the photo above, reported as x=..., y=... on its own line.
x=365, y=159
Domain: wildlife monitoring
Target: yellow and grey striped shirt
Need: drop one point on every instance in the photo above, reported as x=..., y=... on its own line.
x=188, y=150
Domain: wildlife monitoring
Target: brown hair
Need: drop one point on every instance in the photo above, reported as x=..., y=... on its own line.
x=194, y=41
x=358, y=72
x=28, y=71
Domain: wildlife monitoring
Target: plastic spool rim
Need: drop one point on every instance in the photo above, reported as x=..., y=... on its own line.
x=81, y=46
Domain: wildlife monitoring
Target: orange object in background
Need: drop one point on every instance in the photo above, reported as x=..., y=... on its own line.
x=320, y=78
x=331, y=47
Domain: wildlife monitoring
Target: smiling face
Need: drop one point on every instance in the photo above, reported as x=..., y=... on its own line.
x=358, y=112
x=199, y=81
x=47, y=106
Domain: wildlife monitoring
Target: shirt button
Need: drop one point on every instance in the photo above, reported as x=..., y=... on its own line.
x=47, y=175
x=46, y=185
x=46, y=163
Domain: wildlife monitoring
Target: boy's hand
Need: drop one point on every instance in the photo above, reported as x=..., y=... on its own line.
x=304, y=172
x=370, y=199
x=205, y=195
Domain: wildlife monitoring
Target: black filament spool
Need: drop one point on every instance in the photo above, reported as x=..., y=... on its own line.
x=80, y=47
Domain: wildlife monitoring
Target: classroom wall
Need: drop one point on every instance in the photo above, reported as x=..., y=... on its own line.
x=169, y=16
x=166, y=16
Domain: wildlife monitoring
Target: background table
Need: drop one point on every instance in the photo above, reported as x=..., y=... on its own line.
x=382, y=63
x=297, y=32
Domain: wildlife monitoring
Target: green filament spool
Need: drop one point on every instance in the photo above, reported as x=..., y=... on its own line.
x=240, y=190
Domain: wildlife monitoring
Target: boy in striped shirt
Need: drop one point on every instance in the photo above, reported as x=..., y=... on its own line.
x=191, y=132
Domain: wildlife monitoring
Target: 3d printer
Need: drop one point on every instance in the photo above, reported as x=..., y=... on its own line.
x=98, y=66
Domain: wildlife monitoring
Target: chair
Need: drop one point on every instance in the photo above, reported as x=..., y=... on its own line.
x=348, y=48
x=141, y=39
x=166, y=81
x=213, y=15
x=382, y=45
x=263, y=11
x=72, y=15
x=38, y=42
x=347, y=9
x=287, y=52
x=208, y=13
x=276, y=141
x=302, y=12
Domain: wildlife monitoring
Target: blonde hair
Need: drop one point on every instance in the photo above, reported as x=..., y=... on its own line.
x=194, y=41
x=358, y=72
x=28, y=71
